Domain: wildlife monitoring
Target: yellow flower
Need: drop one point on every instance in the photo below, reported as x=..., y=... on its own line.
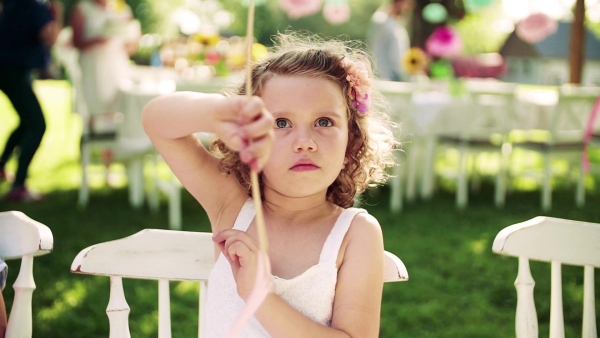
x=415, y=61
x=207, y=40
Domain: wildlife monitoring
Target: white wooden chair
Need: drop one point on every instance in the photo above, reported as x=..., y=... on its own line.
x=164, y=255
x=565, y=139
x=399, y=96
x=486, y=126
x=21, y=237
x=557, y=241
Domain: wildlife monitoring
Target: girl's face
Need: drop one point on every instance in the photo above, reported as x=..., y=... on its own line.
x=311, y=135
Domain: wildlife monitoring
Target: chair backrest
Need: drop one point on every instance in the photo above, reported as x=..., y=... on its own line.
x=165, y=255
x=399, y=95
x=558, y=241
x=572, y=112
x=22, y=238
x=492, y=110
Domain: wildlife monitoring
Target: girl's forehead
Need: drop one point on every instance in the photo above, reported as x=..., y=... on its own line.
x=286, y=93
x=293, y=85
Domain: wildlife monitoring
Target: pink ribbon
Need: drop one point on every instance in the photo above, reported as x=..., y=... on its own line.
x=587, y=135
x=261, y=289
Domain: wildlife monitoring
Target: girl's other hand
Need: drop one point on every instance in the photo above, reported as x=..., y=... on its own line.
x=245, y=125
x=242, y=253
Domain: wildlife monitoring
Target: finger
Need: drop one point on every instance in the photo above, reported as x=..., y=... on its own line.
x=239, y=252
x=234, y=136
x=252, y=110
x=226, y=238
x=257, y=153
x=259, y=127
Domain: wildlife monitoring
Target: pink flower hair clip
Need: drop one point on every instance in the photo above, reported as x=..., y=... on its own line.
x=360, y=84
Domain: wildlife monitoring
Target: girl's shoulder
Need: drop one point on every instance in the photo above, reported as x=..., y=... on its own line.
x=364, y=229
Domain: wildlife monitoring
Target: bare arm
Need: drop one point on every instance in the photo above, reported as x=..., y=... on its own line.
x=357, y=303
x=171, y=121
x=78, y=25
x=50, y=31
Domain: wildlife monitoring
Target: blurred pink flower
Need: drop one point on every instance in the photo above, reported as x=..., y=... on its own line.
x=536, y=27
x=336, y=13
x=298, y=8
x=444, y=42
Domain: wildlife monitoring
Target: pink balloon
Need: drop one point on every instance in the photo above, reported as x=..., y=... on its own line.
x=536, y=27
x=299, y=8
x=336, y=13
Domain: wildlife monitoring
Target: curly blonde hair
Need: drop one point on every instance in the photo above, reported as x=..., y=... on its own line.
x=370, y=139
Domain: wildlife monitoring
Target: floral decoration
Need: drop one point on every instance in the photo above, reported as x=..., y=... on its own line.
x=444, y=42
x=415, y=61
x=360, y=84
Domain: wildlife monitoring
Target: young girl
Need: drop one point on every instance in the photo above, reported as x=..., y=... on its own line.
x=318, y=136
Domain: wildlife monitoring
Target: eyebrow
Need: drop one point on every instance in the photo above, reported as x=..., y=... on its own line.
x=332, y=114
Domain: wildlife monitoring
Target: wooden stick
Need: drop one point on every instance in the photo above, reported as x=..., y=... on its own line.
x=260, y=221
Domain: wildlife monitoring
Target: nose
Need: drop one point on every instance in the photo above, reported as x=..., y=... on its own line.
x=304, y=141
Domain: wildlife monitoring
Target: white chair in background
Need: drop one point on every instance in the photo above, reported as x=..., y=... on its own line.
x=564, y=140
x=399, y=96
x=124, y=135
x=557, y=241
x=485, y=128
x=592, y=138
x=165, y=255
x=22, y=238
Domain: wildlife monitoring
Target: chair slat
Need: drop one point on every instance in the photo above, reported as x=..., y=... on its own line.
x=526, y=324
x=118, y=310
x=164, y=309
x=557, y=322
x=589, y=306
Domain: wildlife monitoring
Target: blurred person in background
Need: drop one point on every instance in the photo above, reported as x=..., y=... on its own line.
x=102, y=32
x=388, y=38
x=27, y=29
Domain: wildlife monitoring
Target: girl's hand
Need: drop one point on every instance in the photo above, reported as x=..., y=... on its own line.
x=242, y=253
x=245, y=125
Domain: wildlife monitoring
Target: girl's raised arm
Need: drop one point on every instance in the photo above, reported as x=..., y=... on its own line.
x=171, y=122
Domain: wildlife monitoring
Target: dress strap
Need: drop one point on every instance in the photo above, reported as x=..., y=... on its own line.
x=333, y=243
x=245, y=217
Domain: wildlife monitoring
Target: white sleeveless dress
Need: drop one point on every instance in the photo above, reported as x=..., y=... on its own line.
x=311, y=293
x=103, y=67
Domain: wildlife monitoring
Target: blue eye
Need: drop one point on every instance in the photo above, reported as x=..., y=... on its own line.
x=324, y=122
x=281, y=123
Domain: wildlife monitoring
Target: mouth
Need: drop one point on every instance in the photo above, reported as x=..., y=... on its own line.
x=304, y=165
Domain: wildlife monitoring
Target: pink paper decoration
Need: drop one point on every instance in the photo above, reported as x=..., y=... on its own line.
x=336, y=13
x=299, y=8
x=536, y=27
x=444, y=42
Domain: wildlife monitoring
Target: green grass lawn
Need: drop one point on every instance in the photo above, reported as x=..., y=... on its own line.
x=457, y=286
